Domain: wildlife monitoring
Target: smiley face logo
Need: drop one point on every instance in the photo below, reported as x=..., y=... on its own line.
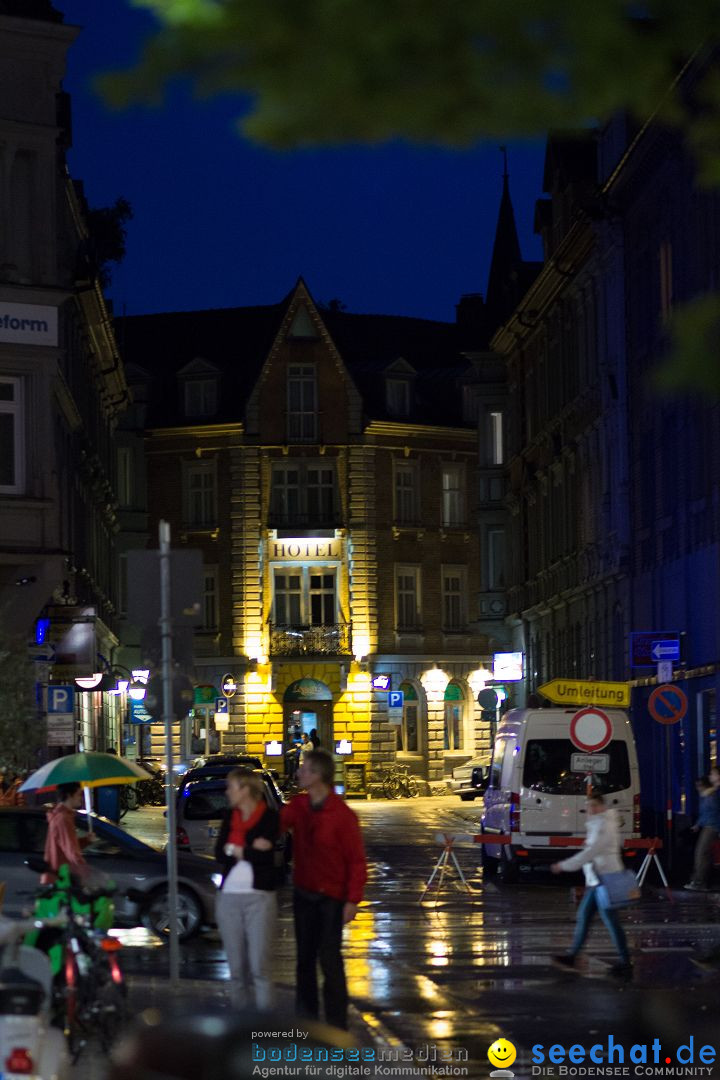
x=502, y=1054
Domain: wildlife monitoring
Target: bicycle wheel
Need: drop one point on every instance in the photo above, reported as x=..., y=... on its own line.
x=391, y=787
x=112, y=1011
x=124, y=807
x=412, y=787
x=133, y=801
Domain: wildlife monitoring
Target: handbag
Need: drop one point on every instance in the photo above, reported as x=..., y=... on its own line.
x=617, y=889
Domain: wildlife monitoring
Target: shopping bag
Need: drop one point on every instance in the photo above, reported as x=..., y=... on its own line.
x=618, y=889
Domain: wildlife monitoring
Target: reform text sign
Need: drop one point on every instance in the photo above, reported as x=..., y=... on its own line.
x=579, y=692
x=28, y=324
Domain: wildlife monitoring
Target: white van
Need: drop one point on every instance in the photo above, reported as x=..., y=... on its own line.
x=539, y=780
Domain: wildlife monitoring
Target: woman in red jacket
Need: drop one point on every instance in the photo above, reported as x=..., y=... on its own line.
x=329, y=875
x=62, y=844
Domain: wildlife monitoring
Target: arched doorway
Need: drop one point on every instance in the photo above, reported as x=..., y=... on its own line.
x=307, y=707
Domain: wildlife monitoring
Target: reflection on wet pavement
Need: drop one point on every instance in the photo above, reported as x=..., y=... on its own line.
x=460, y=971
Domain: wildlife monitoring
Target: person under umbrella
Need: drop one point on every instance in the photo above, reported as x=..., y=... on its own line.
x=62, y=843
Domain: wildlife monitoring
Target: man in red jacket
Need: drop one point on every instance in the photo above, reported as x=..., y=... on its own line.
x=329, y=874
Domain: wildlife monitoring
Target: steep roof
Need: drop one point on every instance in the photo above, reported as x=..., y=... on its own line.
x=31, y=9
x=237, y=341
x=510, y=275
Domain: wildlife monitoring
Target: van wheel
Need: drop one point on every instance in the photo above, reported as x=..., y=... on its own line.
x=509, y=870
x=490, y=865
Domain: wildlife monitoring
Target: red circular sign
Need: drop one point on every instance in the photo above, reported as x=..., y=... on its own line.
x=668, y=704
x=591, y=730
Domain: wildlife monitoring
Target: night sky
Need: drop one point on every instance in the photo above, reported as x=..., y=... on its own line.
x=220, y=222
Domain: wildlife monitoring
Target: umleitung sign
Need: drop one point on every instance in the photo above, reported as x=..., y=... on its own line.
x=579, y=692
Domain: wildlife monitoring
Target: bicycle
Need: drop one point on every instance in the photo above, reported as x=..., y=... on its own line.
x=398, y=782
x=89, y=989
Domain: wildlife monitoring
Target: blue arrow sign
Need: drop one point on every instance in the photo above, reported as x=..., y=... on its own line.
x=667, y=649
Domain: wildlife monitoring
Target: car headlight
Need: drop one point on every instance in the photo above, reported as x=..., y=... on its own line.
x=217, y=880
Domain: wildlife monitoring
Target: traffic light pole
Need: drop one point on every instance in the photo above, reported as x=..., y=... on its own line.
x=166, y=672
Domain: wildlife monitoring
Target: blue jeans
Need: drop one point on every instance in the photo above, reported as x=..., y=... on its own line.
x=586, y=913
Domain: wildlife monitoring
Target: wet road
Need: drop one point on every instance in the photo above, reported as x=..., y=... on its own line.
x=459, y=971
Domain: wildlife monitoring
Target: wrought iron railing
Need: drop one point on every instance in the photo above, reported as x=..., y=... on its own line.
x=330, y=640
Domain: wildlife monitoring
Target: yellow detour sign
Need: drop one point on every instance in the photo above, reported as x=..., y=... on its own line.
x=576, y=692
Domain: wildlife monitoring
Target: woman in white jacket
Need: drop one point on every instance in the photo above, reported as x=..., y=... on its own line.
x=599, y=855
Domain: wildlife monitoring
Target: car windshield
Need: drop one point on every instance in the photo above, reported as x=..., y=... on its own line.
x=549, y=768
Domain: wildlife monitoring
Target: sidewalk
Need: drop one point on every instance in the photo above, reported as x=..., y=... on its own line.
x=193, y=997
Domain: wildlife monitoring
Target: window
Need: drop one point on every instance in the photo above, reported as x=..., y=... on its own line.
x=496, y=558
x=454, y=717
x=666, y=280
x=303, y=493
x=407, y=591
x=397, y=396
x=454, y=592
x=408, y=731
x=453, y=496
x=122, y=582
x=320, y=493
x=497, y=452
x=407, y=511
x=305, y=596
x=12, y=456
x=200, y=495
x=302, y=403
x=200, y=397
x=210, y=598
x=124, y=476
x=548, y=768
x=289, y=599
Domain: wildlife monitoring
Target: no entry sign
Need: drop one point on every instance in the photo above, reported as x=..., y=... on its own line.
x=590, y=730
x=668, y=704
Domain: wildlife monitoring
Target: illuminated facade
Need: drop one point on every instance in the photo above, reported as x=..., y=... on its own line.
x=326, y=465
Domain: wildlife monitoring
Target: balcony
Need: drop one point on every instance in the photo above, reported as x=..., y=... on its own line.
x=331, y=640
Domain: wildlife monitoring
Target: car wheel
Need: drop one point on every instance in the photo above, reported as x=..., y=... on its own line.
x=156, y=913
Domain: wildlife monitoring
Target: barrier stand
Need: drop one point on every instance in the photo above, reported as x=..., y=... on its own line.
x=651, y=856
x=447, y=855
x=451, y=840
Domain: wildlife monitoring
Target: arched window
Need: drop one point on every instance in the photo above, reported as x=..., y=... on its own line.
x=454, y=717
x=409, y=731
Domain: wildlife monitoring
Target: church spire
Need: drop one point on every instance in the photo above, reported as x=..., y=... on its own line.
x=502, y=290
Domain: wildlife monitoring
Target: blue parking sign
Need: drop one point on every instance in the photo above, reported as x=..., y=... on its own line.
x=60, y=699
x=396, y=699
x=221, y=704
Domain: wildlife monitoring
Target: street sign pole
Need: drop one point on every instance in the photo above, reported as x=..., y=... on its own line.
x=166, y=639
x=669, y=810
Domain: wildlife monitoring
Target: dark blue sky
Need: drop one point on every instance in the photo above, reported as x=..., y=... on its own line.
x=221, y=222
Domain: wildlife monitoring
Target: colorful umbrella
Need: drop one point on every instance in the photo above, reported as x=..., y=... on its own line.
x=90, y=769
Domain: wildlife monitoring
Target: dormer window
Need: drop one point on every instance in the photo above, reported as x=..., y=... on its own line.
x=200, y=397
x=397, y=396
x=199, y=389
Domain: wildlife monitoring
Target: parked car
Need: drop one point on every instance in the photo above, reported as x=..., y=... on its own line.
x=538, y=785
x=139, y=870
x=471, y=779
x=202, y=802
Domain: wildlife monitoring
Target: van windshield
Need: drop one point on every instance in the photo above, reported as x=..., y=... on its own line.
x=548, y=768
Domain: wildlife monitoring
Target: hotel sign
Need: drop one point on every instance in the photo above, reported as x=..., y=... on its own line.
x=303, y=550
x=28, y=324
